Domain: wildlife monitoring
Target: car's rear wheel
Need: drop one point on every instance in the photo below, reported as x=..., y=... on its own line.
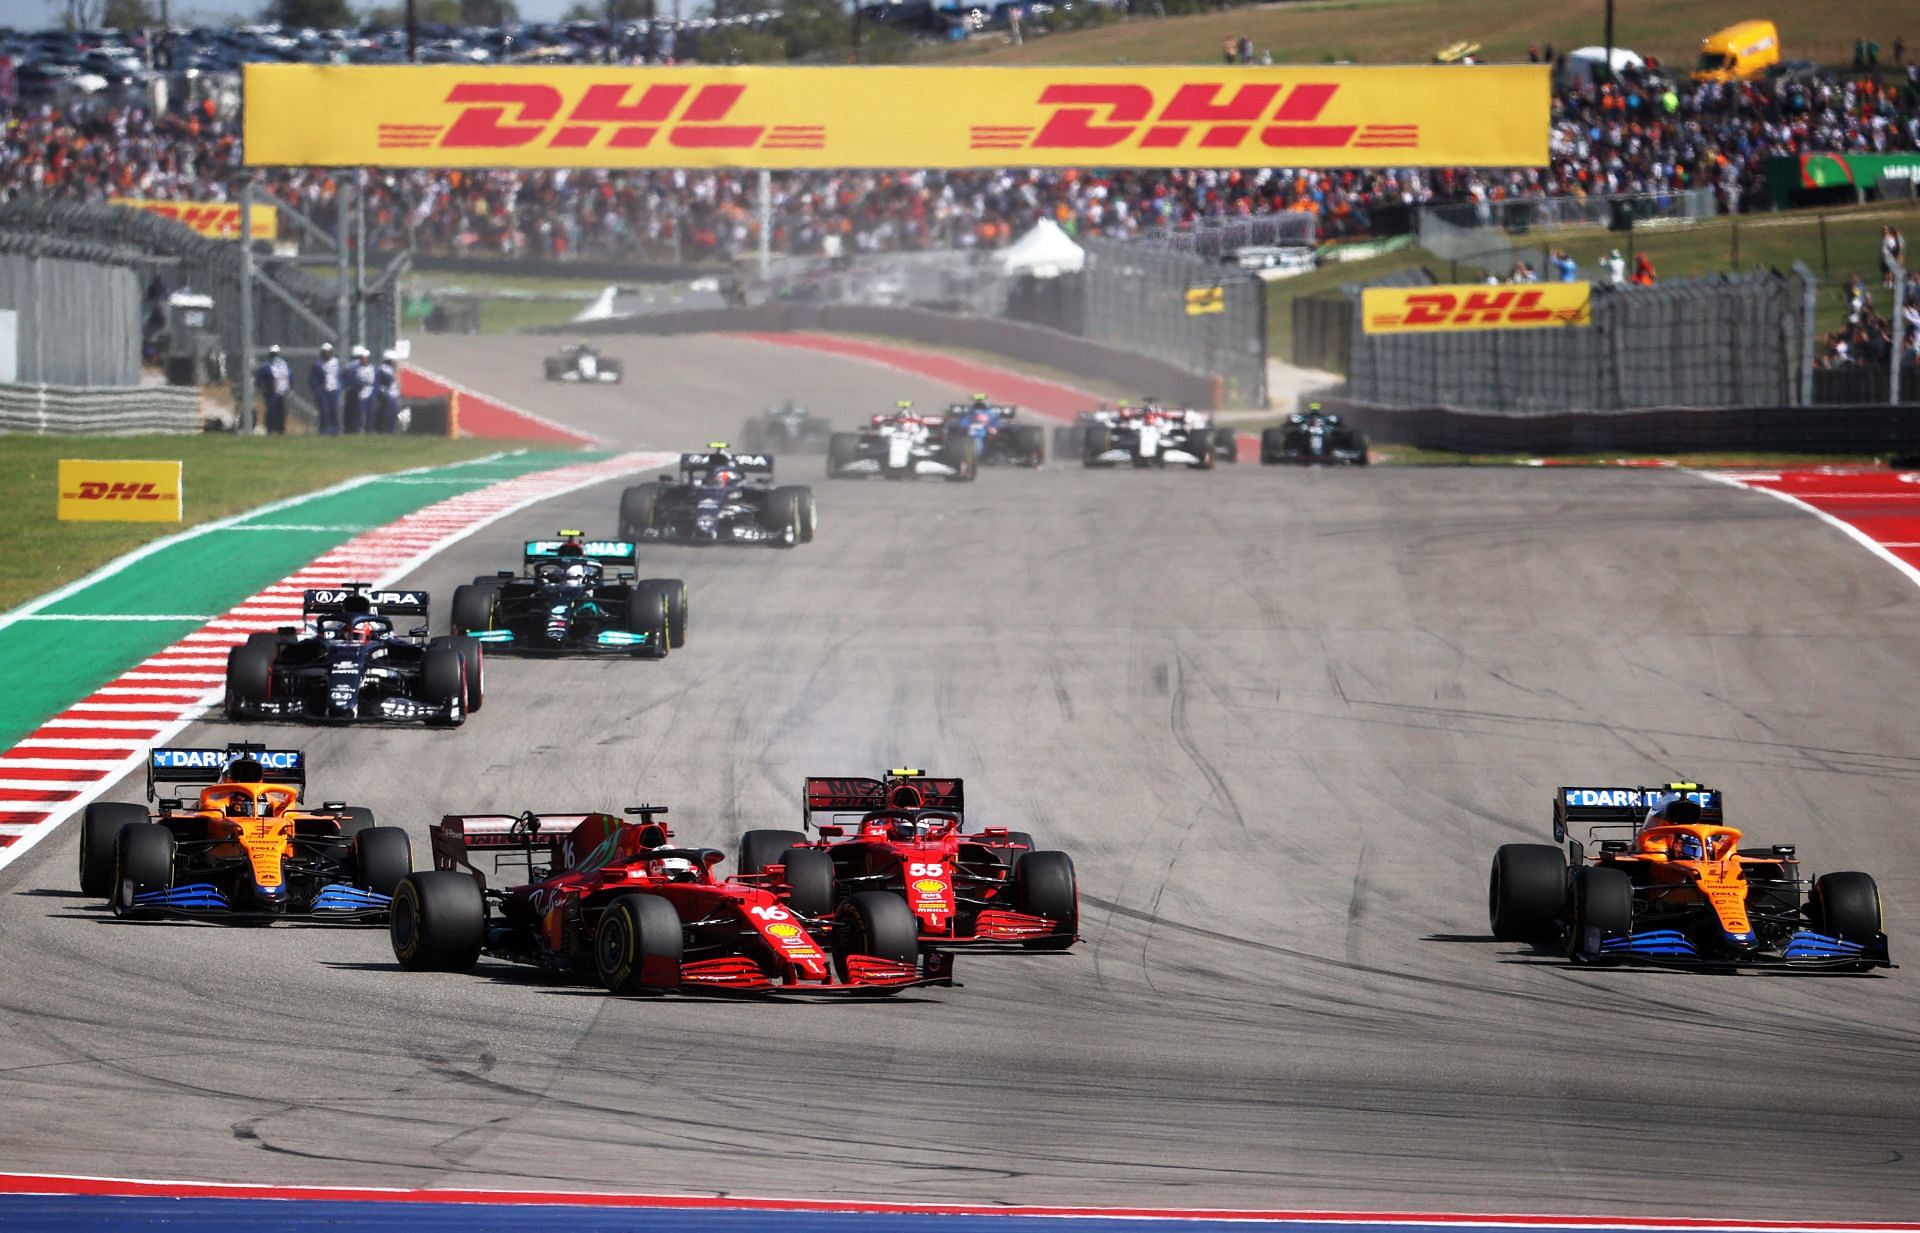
x=877, y=924
x=1030, y=443
x=143, y=861
x=438, y=921
x=843, y=450
x=1602, y=908
x=382, y=856
x=250, y=677
x=1273, y=446
x=100, y=828
x=1018, y=844
x=1226, y=445
x=1847, y=905
x=638, y=505
x=1527, y=892
x=1200, y=445
x=637, y=946
x=758, y=849
x=354, y=819
x=962, y=453
x=473, y=606
x=809, y=881
x=1045, y=885
x=1097, y=441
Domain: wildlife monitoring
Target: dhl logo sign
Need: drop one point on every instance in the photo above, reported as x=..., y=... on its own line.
x=784, y=117
x=217, y=220
x=1430, y=310
x=118, y=490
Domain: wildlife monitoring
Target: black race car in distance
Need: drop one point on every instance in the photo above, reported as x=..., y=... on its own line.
x=348, y=662
x=581, y=363
x=719, y=497
x=1313, y=436
x=574, y=596
x=788, y=428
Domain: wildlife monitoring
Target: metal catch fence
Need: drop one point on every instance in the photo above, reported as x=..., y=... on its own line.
x=76, y=311
x=115, y=412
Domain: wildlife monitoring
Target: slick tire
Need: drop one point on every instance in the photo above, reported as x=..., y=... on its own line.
x=1030, y=444
x=1045, y=885
x=438, y=921
x=1847, y=905
x=758, y=849
x=1273, y=446
x=554, y=369
x=809, y=881
x=354, y=819
x=1201, y=443
x=809, y=516
x=143, y=861
x=648, y=613
x=1527, y=892
x=786, y=516
x=843, y=450
x=443, y=680
x=1226, y=445
x=249, y=677
x=473, y=606
x=382, y=856
x=675, y=592
x=1602, y=909
x=1018, y=844
x=636, y=948
x=1097, y=441
x=875, y=923
x=638, y=506
x=962, y=453
x=472, y=670
x=100, y=828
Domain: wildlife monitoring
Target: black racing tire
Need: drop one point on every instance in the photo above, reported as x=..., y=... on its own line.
x=1045, y=885
x=1602, y=900
x=263, y=637
x=1273, y=446
x=786, y=516
x=1018, y=844
x=143, y=856
x=354, y=819
x=809, y=515
x=442, y=675
x=962, y=453
x=472, y=670
x=810, y=888
x=438, y=921
x=758, y=849
x=1527, y=892
x=382, y=855
x=875, y=923
x=638, y=505
x=649, y=612
x=675, y=592
x=1030, y=444
x=1847, y=905
x=555, y=368
x=843, y=450
x=473, y=605
x=1097, y=441
x=1226, y=445
x=637, y=946
x=249, y=677
x=1200, y=444
x=100, y=827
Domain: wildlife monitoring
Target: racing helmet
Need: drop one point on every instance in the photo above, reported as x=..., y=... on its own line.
x=1686, y=847
x=721, y=477
x=581, y=572
x=672, y=869
x=240, y=805
x=364, y=629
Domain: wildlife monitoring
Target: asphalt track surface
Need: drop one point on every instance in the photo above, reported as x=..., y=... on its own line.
x=1279, y=718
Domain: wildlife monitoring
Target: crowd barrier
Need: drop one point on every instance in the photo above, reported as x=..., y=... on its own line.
x=1015, y=340
x=1867, y=429
x=108, y=412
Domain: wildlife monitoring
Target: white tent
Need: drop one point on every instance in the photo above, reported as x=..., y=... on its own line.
x=1582, y=61
x=1044, y=252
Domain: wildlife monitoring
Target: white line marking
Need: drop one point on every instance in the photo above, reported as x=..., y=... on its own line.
x=1852, y=532
x=108, y=616
x=352, y=528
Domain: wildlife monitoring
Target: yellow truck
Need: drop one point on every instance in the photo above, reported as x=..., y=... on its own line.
x=1742, y=51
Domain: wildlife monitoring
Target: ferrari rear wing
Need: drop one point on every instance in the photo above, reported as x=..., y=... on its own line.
x=832, y=795
x=357, y=597
x=533, y=841
x=1625, y=808
x=180, y=766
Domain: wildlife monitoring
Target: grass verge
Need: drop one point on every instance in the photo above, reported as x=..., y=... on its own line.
x=223, y=475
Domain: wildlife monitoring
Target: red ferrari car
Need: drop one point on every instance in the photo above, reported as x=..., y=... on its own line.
x=902, y=836
x=609, y=899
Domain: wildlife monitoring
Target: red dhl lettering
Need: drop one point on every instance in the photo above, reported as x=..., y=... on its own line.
x=611, y=115
x=100, y=490
x=1439, y=308
x=1224, y=115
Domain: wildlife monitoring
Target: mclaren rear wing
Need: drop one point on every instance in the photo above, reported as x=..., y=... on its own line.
x=177, y=766
x=834, y=795
x=1600, y=809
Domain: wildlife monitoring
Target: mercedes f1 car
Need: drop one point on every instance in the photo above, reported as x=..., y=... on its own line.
x=986, y=890
x=998, y=438
x=347, y=662
x=786, y=429
x=583, y=364
x=1151, y=435
x=1669, y=884
x=1313, y=436
x=572, y=597
x=719, y=498
x=903, y=445
x=609, y=899
x=244, y=849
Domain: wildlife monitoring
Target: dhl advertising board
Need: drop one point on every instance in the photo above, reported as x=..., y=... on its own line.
x=119, y=490
x=217, y=220
x=785, y=117
x=1475, y=306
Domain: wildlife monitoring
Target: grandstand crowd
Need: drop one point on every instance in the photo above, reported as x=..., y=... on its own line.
x=1642, y=135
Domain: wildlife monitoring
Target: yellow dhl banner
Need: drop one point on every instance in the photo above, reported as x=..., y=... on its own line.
x=1204, y=300
x=119, y=490
x=785, y=117
x=219, y=220
x=1475, y=306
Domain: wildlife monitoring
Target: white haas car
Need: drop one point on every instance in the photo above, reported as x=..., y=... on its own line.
x=1152, y=435
x=582, y=363
x=904, y=445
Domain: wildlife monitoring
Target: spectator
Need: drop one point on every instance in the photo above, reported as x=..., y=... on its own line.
x=1615, y=269
x=360, y=382
x=274, y=379
x=386, y=394
x=324, y=380
x=1643, y=275
x=1853, y=295
x=1893, y=252
x=1565, y=268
